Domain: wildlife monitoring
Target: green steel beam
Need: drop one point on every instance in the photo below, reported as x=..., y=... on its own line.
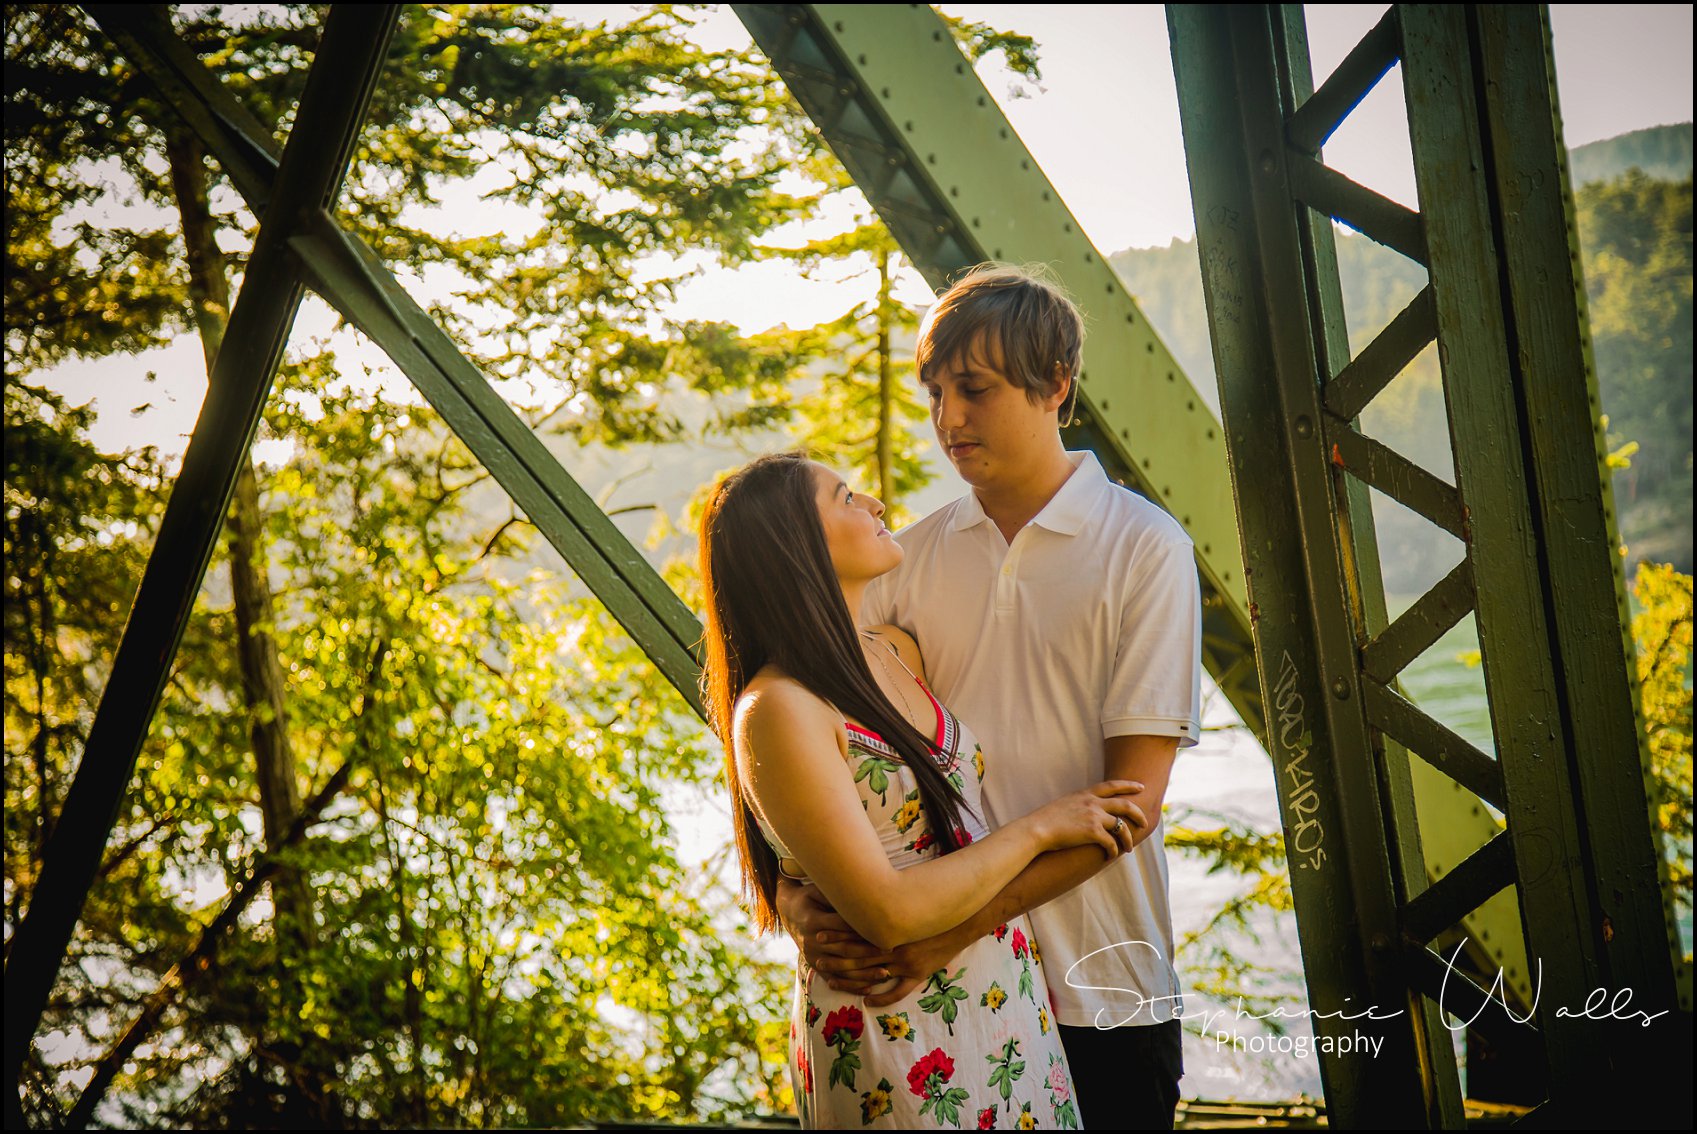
x=1523, y=425
x=1575, y=875
x=907, y=115
x=1559, y=403
x=350, y=277
x=1276, y=313
x=338, y=89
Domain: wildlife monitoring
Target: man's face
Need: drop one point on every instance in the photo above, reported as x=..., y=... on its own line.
x=993, y=433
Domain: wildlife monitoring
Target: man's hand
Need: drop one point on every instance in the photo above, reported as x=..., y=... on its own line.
x=828, y=944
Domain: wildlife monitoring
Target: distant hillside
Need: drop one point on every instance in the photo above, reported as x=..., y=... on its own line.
x=1663, y=152
x=1636, y=235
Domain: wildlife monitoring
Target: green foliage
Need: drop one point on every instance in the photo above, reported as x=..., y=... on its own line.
x=1662, y=152
x=1215, y=965
x=1637, y=238
x=1662, y=629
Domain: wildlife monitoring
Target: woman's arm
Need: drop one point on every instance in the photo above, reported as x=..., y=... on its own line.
x=831, y=947
x=787, y=749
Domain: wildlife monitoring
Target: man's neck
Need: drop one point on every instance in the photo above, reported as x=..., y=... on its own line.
x=1016, y=506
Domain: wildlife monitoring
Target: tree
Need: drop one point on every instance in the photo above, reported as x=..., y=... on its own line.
x=632, y=141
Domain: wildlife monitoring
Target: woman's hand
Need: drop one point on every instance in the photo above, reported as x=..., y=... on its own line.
x=1105, y=814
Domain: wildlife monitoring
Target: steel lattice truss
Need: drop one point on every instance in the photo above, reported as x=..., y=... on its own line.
x=1390, y=857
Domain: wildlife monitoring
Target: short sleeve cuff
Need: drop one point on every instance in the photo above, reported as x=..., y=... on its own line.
x=1187, y=730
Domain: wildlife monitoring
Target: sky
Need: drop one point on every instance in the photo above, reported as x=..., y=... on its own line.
x=1103, y=124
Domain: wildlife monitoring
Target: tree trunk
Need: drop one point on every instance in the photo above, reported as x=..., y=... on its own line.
x=262, y=673
x=886, y=381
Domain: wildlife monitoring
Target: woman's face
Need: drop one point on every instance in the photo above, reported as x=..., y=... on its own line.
x=861, y=546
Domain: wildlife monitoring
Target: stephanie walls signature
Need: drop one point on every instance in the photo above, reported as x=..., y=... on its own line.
x=1599, y=1005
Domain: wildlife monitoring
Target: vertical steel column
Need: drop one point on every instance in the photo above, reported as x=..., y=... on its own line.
x=338, y=89
x=1505, y=307
x=1522, y=421
x=1270, y=276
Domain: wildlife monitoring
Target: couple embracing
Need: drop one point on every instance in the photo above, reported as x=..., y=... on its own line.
x=980, y=899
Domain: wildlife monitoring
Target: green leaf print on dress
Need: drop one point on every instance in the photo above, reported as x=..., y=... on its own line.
x=1004, y=1070
x=943, y=995
x=875, y=770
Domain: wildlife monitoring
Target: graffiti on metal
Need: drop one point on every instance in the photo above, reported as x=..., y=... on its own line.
x=1305, y=837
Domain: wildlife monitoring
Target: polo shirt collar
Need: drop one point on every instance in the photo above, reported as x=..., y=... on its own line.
x=1066, y=511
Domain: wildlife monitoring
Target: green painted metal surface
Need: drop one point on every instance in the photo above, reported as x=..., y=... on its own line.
x=1575, y=875
x=1275, y=309
x=907, y=115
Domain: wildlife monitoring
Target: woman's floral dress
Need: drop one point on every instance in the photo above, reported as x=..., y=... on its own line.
x=976, y=1046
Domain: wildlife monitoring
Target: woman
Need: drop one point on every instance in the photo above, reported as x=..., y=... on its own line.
x=846, y=772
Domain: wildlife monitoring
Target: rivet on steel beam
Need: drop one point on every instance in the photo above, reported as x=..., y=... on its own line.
x=931, y=158
x=960, y=68
x=1340, y=689
x=908, y=126
x=1268, y=163
x=1110, y=289
x=1003, y=132
x=1304, y=427
x=838, y=26
x=981, y=100
x=937, y=36
x=862, y=60
x=954, y=190
x=885, y=92
x=976, y=223
x=1130, y=318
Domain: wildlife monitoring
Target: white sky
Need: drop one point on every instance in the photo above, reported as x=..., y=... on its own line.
x=1619, y=68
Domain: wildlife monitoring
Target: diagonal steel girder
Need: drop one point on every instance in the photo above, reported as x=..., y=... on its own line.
x=353, y=280
x=908, y=117
x=307, y=180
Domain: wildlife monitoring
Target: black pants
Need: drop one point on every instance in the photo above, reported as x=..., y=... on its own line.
x=1127, y=1077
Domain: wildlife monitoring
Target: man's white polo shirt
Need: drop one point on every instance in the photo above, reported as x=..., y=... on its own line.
x=1089, y=625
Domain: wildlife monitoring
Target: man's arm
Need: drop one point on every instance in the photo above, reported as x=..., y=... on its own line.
x=850, y=965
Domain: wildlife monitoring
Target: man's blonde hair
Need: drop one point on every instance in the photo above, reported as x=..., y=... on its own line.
x=1011, y=311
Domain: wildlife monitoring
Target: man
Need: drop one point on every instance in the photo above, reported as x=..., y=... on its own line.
x=1059, y=615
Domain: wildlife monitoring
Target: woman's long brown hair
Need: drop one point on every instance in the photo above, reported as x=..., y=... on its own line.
x=773, y=598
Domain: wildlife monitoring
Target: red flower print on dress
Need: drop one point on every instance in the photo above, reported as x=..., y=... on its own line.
x=927, y=1065
x=846, y=1019
x=1001, y=931
x=1018, y=943
x=923, y=842
x=987, y=1118
x=929, y=1079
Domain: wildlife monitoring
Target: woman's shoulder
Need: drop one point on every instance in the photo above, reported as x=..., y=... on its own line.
x=775, y=698
x=905, y=646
